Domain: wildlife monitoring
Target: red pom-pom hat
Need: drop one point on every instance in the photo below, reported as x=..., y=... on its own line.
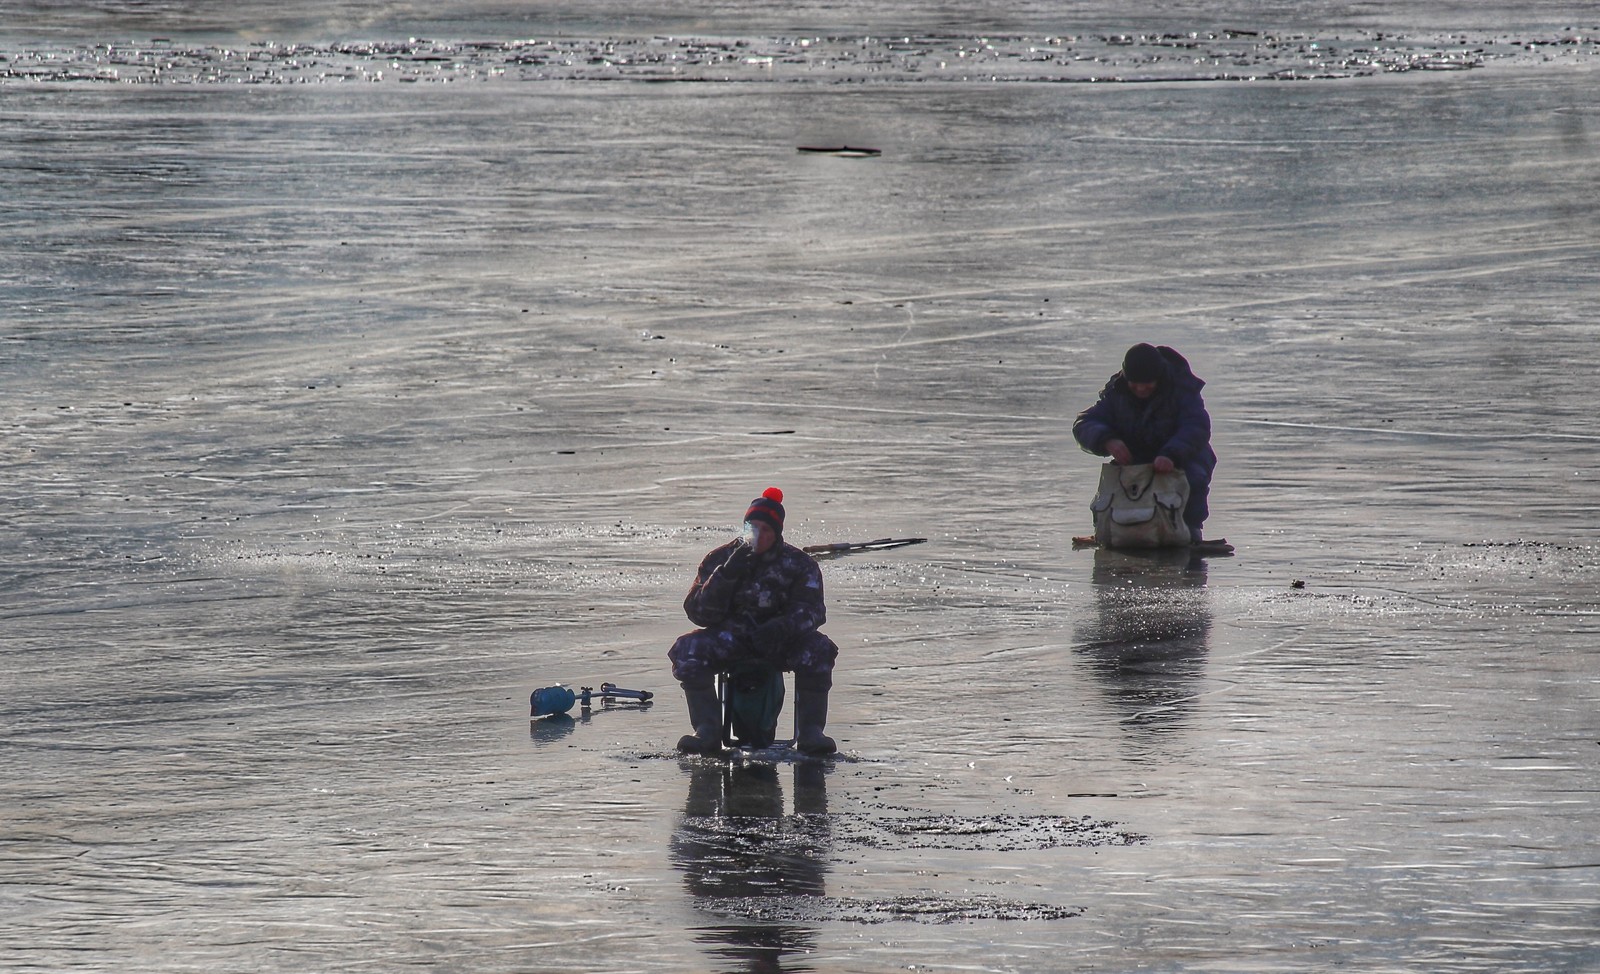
x=768, y=509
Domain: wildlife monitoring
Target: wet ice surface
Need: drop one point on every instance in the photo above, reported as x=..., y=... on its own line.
x=339, y=418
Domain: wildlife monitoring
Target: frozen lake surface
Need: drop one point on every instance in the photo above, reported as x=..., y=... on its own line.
x=340, y=417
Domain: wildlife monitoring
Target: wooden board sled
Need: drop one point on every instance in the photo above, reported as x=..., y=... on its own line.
x=1218, y=547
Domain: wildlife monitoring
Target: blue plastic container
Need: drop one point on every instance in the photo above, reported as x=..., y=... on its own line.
x=548, y=701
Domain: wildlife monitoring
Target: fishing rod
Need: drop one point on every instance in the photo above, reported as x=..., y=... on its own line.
x=845, y=547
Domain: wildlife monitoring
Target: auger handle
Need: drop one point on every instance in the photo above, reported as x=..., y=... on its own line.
x=610, y=691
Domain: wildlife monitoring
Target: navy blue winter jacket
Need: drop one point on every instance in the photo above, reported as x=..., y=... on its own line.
x=1172, y=423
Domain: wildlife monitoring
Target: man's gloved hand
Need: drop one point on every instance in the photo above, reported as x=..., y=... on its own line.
x=1119, y=452
x=739, y=561
x=1163, y=464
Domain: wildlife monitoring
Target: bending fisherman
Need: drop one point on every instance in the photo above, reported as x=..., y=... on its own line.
x=1152, y=412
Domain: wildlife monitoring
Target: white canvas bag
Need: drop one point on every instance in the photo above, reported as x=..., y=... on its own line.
x=1139, y=508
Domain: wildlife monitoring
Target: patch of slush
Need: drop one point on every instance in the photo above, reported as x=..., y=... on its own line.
x=946, y=832
x=1300, y=604
x=781, y=753
x=987, y=833
x=917, y=909
x=1527, y=558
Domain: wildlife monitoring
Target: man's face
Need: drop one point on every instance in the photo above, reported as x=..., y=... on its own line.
x=764, y=536
x=1142, y=390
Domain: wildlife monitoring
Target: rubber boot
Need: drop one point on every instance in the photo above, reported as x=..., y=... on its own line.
x=705, y=716
x=810, y=716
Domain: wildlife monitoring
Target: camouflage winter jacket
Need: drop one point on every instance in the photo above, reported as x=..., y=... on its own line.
x=738, y=589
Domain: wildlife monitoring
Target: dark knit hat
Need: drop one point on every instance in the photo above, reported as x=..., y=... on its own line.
x=768, y=509
x=1144, y=363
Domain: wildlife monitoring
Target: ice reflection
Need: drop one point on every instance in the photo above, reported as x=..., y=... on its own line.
x=744, y=859
x=548, y=730
x=1147, y=639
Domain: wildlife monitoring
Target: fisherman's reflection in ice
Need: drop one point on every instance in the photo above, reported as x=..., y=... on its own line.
x=749, y=863
x=1147, y=642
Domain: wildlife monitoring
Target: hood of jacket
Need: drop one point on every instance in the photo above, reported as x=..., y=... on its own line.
x=1179, y=374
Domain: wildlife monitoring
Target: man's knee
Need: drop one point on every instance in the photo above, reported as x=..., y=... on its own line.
x=695, y=658
x=693, y=674
x=813, y=660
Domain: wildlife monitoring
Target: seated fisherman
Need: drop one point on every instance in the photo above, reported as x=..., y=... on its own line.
x=756, y=597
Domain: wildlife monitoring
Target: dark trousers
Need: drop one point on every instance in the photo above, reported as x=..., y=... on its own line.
x=1197, y=510
x=698, y=656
